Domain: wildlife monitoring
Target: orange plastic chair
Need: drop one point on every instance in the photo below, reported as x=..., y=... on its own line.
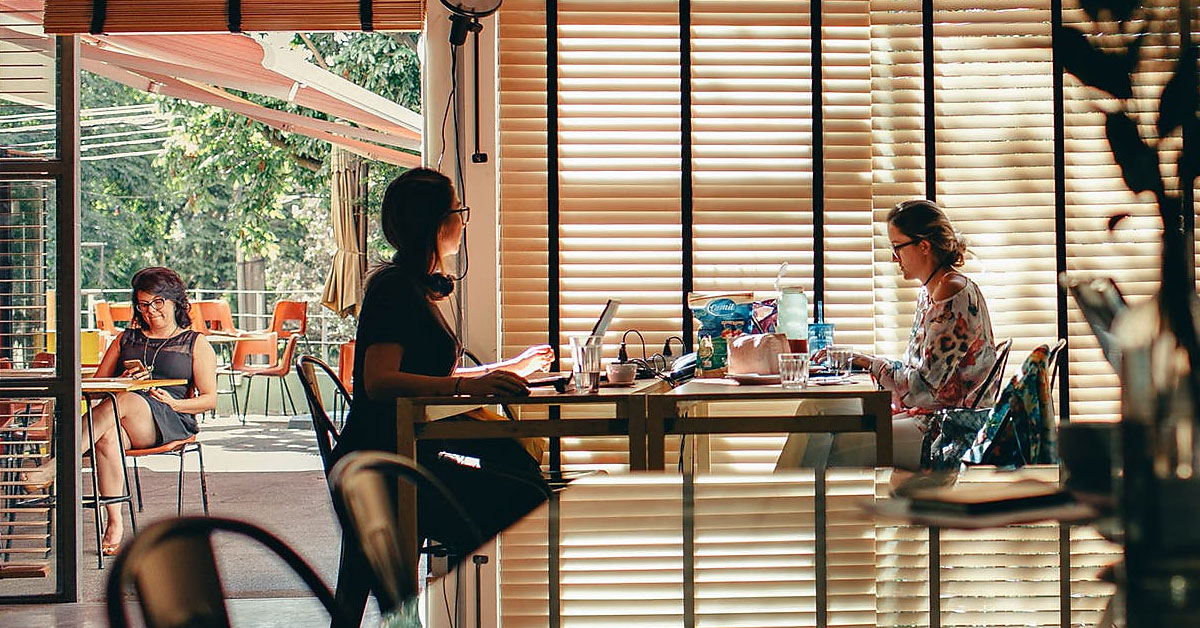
x=217, y=316
x=294, y=312
x=43, y=360
x=5, y=363
x=176, y=448
x=345, y=368
x=276, y=366
x=104, y=317
x=122, y=312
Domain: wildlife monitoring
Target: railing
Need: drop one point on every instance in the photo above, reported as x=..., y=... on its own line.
x=252, y=311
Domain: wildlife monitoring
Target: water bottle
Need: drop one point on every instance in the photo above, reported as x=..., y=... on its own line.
x=792, y=319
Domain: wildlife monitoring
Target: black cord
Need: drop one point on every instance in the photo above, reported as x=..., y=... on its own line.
x=626, y=335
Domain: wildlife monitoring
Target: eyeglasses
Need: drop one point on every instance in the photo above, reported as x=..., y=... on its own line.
x=158, y=303
x=466, y=214
x=896, y=247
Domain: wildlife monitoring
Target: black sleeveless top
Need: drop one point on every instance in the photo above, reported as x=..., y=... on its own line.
x=167, y=358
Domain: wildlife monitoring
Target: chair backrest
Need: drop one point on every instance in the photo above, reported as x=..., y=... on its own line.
x=246, y=348
x=122, y=311
x=43, y=360
x=217, y=315
x=326, y=431
x=290, y=318
x=1052, y=361
x=345, y=369
x=990, y=388
x=5, y=363
x=104, y=317
x=289, y=351
x=172, y=565
x=364, y=499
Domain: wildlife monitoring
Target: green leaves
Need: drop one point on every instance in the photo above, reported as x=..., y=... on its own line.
x=1138, y=162
x=1103, y=70
x=1179, y=97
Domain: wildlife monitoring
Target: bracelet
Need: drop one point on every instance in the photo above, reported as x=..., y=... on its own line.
x=457, y=383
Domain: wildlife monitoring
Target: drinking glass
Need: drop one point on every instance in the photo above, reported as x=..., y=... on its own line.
x=820, y=336
x=793, y=370
x=585, y=351
x=840, y=360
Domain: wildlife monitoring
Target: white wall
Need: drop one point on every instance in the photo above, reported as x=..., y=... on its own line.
x=480, y=291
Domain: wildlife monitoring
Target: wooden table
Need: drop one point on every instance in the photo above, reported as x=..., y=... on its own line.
x=683, y=410
x=414, y=422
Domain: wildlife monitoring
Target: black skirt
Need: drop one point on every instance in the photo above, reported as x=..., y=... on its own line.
x=170, y=424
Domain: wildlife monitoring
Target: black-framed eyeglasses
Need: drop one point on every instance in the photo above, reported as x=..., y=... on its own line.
x=158, y=303
x=466, y=214
x=896, y=247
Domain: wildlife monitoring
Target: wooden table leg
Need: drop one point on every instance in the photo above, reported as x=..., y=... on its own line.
x=407, y=413
x=633, y=410
x=878, y=409
x=657, y=410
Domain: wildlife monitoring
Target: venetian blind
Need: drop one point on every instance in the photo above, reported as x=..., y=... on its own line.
x=995, y=158
x=68, y=17
x=1094, y=192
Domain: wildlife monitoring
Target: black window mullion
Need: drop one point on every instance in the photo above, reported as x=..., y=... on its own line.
x=687, y=231
x=818, y=152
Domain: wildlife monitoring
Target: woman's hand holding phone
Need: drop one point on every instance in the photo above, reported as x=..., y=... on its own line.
x=136, y=370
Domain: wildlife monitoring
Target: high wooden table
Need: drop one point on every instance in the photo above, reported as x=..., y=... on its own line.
x=688, y=409
x=416, y=420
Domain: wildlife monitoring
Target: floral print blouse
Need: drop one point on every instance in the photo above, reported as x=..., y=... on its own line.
x=949, y=354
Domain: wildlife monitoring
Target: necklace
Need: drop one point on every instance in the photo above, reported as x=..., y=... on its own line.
x=146, y=349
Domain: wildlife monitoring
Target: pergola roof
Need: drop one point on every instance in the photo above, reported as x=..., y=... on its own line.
x=202, y=67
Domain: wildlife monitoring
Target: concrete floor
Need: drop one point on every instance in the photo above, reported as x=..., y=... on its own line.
x=263, y=472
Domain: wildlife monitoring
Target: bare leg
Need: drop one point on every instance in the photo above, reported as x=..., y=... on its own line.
x=137, y=430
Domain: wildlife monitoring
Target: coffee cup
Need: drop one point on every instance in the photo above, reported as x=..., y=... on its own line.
x=621, y=373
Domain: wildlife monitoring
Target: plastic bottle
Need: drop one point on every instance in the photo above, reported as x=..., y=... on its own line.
x=792, y=319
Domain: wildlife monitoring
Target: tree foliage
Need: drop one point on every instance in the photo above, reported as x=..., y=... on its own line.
x=224, y=182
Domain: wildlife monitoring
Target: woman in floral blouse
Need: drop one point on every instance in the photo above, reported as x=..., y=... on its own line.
x=950, y=349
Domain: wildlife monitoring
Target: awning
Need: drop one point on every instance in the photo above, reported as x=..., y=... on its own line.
x=202, y=67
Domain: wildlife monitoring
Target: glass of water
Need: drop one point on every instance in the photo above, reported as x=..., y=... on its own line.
x=793, y=370
x=840, y=360
x=585, y=351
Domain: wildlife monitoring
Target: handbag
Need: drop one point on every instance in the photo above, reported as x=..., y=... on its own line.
x=1019, y=430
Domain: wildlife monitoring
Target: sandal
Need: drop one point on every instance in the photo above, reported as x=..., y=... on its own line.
x=37, y=478
x=110, y=549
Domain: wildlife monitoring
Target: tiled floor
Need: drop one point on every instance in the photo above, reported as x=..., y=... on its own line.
x=264, y=472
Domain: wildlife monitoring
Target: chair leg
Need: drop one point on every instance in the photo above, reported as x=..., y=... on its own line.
x=246, y=402
x=233, y=390
x=203, y=482
x=291, y=400
x=353, y=581
x=179, y=499
x=267, y=398
x=137, y=483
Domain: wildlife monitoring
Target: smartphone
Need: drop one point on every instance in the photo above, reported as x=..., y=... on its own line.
x=133, y=366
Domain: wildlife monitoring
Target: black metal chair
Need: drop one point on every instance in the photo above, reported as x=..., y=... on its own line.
x=326, y=430
x=364, y=498
x=1052, y=361
x=174, y=570
x=993, y=377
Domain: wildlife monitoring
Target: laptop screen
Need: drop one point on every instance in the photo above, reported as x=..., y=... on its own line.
x=606, y=318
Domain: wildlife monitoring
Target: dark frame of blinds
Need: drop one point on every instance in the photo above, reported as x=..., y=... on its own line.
x=686, y=200
x=818, y=151
x=553, y=296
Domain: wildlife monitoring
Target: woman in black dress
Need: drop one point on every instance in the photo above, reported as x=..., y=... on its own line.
x=405, y=347
x=163, y=347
